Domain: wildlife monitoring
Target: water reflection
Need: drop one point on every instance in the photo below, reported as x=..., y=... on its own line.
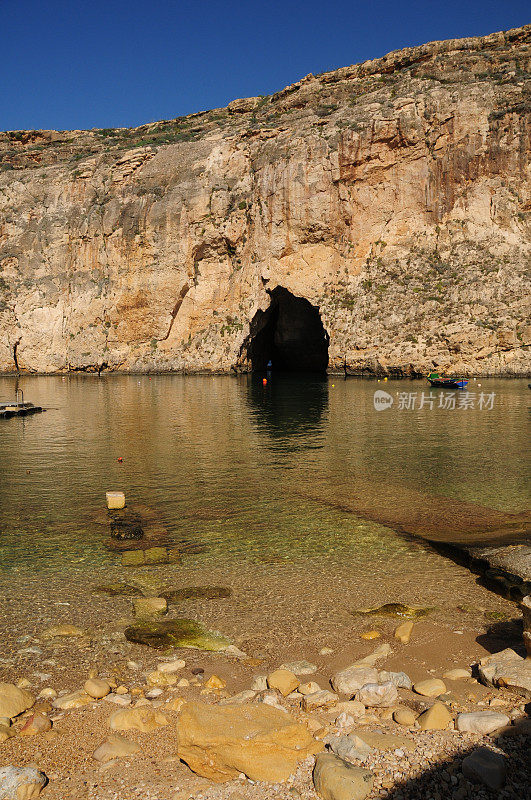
x=291, y=410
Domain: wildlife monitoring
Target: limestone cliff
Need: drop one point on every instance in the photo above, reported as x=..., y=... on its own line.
x=394, y=196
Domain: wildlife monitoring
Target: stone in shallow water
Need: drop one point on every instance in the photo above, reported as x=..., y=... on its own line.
x=335, y=779
x=262, y=742
x=118, y=590
x=196, y=593
x=176, y=633
x=395, y=610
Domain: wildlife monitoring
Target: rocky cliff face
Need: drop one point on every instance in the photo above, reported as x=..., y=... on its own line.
x=394, y=196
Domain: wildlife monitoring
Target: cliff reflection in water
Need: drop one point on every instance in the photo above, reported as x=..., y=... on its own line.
x=292, y=410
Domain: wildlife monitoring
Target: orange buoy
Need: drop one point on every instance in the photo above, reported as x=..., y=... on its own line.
x=120, y=459
x=264, y=381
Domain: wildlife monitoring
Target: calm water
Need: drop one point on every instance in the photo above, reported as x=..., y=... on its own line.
x=244, y=472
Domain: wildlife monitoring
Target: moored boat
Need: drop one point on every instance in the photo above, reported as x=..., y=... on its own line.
x=443, y=382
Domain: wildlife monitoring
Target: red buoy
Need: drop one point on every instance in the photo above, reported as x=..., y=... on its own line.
x=120, y=459
x=264, y=381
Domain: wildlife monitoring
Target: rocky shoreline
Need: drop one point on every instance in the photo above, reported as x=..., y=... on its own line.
x=209, y=723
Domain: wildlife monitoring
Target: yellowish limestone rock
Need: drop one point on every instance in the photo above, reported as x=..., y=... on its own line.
x=403, y=632
x=215, y=682
x=13, y=701
x=140, y=718
x=283, y=681
x=264, y=743
x=431, y=687
x=97, y=688
x=436, y=718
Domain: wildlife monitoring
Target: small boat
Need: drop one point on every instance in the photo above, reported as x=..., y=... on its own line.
x=446, y=383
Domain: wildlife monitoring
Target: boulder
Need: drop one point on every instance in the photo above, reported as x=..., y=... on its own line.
x=378, y=695
x=457, y=674
x=320, y=699
x=400, y=679
x=73, y=700
x=97, y=688
x=264, y=743
x=37, y=723
x=436, y=718
x=335, y=779
x=485, y=766
x=13, y=701
x=21, y=783
x=403, y=632
x=283, y=681
x=309, y=688
x=432, y=687
x=508, y=670
x=350, y=748
x=405, y=716
x=115, y=746
x=141, y=718
x=483, y=722
x=350, y=680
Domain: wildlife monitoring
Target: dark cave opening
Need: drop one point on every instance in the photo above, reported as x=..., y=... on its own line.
x=289, y=334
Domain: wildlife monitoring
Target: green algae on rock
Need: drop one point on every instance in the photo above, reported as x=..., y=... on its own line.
x=176, y=633
x=395, y=610
x=196, y=593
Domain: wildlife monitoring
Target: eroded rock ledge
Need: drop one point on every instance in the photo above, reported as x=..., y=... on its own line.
x=392, y=196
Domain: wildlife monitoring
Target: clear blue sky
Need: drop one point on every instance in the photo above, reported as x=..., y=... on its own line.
x=110, y=63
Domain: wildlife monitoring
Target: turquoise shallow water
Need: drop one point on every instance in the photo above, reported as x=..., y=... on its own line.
x=227, y=462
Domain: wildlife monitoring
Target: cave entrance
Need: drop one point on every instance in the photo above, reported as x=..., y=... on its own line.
x=289, y=334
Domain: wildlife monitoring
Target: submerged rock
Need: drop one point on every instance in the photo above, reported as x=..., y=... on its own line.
x=395, y=610
x=118, y=590
x=262, y=742
x=197, y=593
x=176, y=633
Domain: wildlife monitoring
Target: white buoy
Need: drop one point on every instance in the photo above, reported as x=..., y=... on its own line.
x=115, y=500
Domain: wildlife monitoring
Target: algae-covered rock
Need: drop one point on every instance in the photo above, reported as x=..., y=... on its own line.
x=176, y=633
x=395, y=610
x=196, y=593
